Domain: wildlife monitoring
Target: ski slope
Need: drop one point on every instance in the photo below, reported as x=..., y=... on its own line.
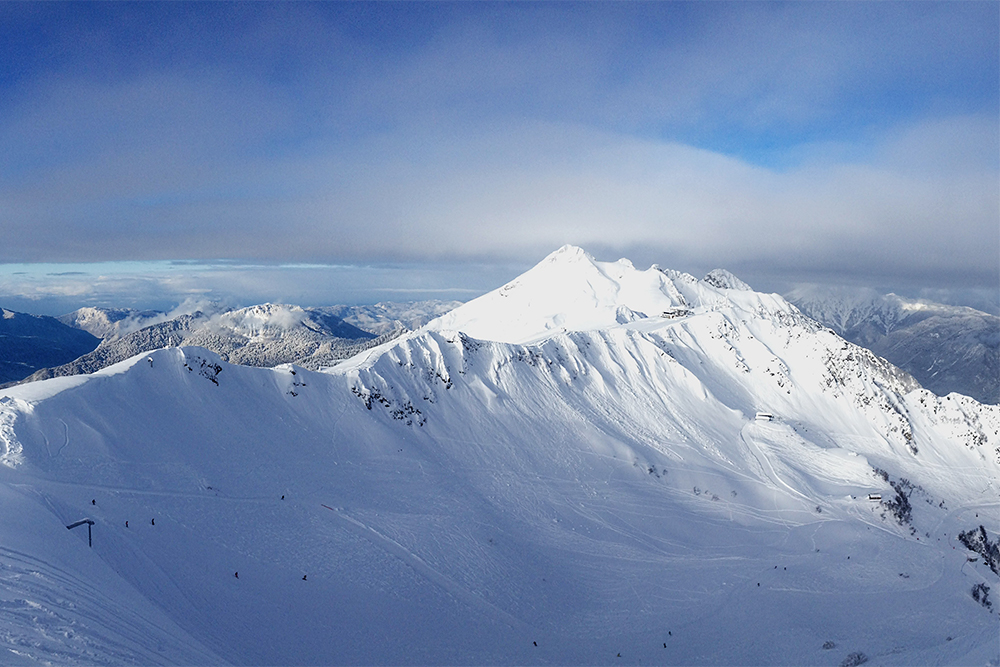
x=567, y=470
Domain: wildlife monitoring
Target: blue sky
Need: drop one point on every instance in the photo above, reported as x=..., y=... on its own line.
x=445, y=147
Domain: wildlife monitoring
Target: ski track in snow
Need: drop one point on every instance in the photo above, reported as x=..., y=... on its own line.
x=65, y=439
x=421, y=567
x=50, y=615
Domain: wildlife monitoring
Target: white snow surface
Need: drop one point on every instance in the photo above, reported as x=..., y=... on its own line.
x=567, y=470
x=571, y=291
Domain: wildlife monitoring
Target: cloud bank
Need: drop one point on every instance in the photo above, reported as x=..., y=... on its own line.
x=814, y=140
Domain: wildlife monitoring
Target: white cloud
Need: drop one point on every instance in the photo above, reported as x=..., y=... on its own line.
x=506, y=136
x=213, y=288
x=925, y=201
x=531, y=188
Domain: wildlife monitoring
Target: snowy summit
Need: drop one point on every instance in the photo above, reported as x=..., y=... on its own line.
x=571, y=291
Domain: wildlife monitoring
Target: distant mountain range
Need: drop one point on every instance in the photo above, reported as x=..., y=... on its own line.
x=264, y=335
x=946, y=348
x=106, y=323
x=387, y=316
x=378, y=319
x=31, y=342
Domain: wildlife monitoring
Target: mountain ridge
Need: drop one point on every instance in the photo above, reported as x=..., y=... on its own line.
x=260, y=335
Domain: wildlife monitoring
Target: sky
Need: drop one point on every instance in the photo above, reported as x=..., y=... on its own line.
x=322, y=153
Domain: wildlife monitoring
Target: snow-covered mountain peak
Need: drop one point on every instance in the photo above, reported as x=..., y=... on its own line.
x=569, y=290
x=725, y=280
x=572, y=291
x=568, y=253
x=261, y=318
x=113, y=323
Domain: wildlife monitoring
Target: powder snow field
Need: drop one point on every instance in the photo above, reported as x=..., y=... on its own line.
x=567, y=470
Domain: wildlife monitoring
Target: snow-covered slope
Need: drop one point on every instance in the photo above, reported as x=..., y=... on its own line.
x=568, y=470
x=947, y=348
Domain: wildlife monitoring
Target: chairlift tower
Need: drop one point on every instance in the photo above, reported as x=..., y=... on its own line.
x=89, y=522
